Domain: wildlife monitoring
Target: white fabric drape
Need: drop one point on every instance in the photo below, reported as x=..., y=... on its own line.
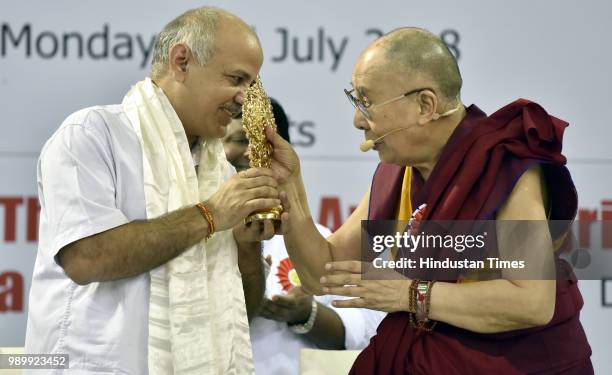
x=197, y=314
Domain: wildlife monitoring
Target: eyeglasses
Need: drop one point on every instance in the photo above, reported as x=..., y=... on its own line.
x=363, y=106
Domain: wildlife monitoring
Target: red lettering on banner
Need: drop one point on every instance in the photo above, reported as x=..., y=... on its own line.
x=330, y=209
x=10, y=217
x=32, y=218
x=606, y=225
x=330, y=214
x=585, y=219
x=11, y=292
x=11, y=205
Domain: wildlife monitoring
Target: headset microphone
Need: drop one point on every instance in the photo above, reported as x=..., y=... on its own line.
x=366, y=146
x=369, y=144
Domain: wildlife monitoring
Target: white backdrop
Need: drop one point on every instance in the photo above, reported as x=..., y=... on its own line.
x=553, y=52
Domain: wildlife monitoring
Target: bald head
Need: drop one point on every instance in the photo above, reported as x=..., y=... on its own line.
x=197, y=29
x=417, y=52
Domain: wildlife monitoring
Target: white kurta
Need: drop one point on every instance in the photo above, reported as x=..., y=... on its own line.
x=90, y=179
x=276, y=349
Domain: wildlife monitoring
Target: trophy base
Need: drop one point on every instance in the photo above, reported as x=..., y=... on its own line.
x=271, y=214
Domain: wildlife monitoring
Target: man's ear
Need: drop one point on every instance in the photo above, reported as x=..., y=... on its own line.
x=179, y=58
x=428, y=105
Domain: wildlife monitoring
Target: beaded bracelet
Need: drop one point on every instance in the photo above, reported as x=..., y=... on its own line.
x=209, y=219
x=302, y=329
x=420, y=297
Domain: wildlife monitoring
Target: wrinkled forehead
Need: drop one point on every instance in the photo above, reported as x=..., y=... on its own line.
x=373, y=72
x=236, y=42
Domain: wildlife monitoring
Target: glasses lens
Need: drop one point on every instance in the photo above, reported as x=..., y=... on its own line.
x=357, y=103
x=350, y=97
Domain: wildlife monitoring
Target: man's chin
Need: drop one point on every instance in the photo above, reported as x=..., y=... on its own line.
x=221, y=131
x=383, y=156
x=217, y=134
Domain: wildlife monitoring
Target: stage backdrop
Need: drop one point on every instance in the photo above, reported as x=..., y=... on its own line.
x=59, y=56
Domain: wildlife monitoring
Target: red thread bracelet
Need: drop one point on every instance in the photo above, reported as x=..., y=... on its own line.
x=209, y=219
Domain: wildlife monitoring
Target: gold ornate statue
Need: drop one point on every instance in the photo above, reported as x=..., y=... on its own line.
x=256, y=114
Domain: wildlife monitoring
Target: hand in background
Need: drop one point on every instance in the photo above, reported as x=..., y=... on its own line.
x=255, y=231
x=293, y=308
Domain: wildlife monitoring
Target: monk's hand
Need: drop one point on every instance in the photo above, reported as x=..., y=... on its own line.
x=285, y=216
x=383, y=290
x=251, y=190
x=293, y=308
x=285, y=162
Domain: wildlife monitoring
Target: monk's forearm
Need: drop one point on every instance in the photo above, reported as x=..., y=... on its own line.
x=250, y=264
x=308, y=249
x=134, y=248
x=493, y=306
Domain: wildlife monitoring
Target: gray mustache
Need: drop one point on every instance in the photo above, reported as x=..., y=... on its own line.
x=235, y=111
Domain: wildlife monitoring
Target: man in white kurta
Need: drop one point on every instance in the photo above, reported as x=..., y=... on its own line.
x=131, y=277
x=276, y=347
x=90, y=179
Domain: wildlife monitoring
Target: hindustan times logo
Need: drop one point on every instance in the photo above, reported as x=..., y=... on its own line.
x=516, y=245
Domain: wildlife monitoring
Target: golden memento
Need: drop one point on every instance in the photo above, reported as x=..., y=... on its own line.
x=256, y=114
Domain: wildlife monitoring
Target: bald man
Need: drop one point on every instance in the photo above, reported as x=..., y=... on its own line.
x=449, y=162
x=144, y=266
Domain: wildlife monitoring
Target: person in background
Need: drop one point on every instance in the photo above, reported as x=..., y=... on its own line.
x=291, y=319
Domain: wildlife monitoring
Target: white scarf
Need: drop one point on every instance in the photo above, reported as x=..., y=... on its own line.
x=197, y=315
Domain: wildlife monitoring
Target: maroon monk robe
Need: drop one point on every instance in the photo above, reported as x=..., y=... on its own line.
x=476, y=172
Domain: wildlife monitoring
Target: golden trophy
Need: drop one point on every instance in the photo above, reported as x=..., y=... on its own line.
x=256, y=114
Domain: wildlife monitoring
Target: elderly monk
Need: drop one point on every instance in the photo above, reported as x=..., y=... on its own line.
x=451, y=162
x=142, y=261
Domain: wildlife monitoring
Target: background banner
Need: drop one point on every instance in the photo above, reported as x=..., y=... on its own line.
x=59, y=56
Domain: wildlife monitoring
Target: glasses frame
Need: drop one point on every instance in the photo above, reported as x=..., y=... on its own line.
x=363, y=106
